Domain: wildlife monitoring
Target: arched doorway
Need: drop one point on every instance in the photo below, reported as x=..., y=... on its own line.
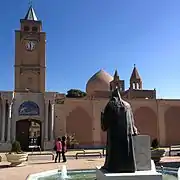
x=172, y=124
x=28, y=133
x=146, y=122
x=79, y=123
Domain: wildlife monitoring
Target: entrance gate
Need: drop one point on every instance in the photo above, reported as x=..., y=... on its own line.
x=28, y=132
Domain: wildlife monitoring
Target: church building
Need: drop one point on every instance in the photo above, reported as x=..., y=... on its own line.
x=29, y=111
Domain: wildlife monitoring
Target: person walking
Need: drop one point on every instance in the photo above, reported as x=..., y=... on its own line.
x=64, y=148
x=58, y=149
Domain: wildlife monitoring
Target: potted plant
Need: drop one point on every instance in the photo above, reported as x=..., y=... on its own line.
x=16, y=157
x=72, y=143
x=156, y=152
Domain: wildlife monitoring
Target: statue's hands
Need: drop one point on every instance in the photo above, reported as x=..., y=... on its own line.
x=135, y=131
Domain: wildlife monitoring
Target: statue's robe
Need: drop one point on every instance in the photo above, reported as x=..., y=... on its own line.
x=118, y=121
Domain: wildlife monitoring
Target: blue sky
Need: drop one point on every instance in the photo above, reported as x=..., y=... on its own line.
x=84, y=36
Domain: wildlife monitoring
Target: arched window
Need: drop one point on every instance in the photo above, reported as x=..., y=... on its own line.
x=134, y=85
x=137, y=85
x=34, y=29
x=26, y=28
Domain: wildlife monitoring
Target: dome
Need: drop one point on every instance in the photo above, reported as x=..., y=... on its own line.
x=100, y=81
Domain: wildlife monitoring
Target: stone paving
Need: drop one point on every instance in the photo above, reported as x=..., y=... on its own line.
x=69, y=153
x=20, y=173
x=35, y=165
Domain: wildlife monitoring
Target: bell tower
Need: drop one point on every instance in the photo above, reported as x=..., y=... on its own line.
x=30, y=62
x=117, y=83
x=135, y=80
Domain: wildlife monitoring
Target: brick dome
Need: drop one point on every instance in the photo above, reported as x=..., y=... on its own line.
x=100, y=81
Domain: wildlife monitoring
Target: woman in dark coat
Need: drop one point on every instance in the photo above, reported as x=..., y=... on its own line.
x=64, y=148
x=118, y=121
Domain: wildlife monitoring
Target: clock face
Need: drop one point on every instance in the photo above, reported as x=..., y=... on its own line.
x=30, y=45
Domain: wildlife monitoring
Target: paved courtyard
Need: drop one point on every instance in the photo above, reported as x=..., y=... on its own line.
x=44, y=163
x=20, y=173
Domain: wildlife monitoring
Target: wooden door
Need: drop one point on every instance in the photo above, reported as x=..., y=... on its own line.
x=22, y=133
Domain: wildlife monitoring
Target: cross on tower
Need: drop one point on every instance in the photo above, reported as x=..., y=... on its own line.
x=30, y=2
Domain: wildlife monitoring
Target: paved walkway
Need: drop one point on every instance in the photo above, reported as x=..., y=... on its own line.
x=20, y=173
x=69, y=153
x=35, y=166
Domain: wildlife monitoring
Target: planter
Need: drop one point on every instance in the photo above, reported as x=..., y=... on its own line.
x=17, y=159
x=73, y=146
x=157, y=154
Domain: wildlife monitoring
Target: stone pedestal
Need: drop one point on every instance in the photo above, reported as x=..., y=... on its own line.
x=142, y=152
x=138, y=175
x=146, y=169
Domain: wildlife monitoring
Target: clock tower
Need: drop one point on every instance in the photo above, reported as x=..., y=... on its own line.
x=30, y=62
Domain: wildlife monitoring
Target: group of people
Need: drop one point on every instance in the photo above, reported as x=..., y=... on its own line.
x=61, y=149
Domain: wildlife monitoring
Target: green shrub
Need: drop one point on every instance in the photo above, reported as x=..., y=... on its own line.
x=155, y=144
x=75, y=93
x=16, y=147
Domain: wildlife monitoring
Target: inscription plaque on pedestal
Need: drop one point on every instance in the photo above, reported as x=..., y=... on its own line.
x=142, y=152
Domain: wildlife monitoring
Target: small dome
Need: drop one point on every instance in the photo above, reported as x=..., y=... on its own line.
x=100, y=81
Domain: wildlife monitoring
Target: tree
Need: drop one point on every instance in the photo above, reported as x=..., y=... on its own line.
x=75, y=93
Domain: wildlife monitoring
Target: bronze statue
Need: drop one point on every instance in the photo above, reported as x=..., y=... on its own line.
x=118, y=121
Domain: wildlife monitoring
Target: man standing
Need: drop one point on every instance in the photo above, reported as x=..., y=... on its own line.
x=64, y=148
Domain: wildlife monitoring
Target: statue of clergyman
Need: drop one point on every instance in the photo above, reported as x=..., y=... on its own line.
x=118, y=121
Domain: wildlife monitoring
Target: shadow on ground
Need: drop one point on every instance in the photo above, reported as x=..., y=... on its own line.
x=170, y=164
x=50, y=162
x=4, y=166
